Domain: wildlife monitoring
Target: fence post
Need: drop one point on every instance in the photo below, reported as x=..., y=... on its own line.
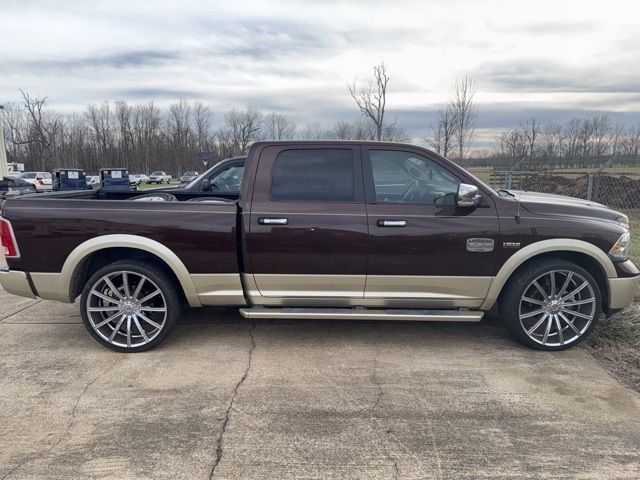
x=509, y=180
x=590, y=187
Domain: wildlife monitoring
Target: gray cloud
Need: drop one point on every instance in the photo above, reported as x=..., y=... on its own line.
x=125, y=59
x=539, y=74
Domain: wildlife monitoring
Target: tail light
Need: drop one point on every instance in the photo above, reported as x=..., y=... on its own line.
x=41, y=182
x=8, y=240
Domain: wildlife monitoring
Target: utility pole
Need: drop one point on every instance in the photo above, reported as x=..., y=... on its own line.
x=4, y=168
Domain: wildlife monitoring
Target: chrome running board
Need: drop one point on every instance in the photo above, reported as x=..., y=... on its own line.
x=364, y=314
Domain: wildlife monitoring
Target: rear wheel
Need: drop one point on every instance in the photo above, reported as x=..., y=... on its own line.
x=551, y=304
x=130, y=306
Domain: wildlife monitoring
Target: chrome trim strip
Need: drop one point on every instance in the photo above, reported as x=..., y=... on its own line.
x=352, y=314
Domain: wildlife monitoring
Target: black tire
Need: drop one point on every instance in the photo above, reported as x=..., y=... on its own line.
x=511, y=302
x=155, y=277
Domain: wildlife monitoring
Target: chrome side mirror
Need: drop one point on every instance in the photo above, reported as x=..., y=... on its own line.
x=467, y=195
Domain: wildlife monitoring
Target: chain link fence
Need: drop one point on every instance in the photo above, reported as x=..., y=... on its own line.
x=614, y=185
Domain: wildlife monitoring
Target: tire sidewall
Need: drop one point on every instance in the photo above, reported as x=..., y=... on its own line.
x=509, y=304
x=156, y=275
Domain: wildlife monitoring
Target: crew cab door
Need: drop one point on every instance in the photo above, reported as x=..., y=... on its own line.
x=308, y=233
x=424, y=250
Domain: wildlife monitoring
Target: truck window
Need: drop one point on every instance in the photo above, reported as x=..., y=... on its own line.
x=405, y=177
x=315, y=175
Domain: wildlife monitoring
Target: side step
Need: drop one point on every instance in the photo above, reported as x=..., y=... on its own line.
x=364, y=314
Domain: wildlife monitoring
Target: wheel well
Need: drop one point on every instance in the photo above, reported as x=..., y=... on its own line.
x=587, y=262
x=100, y=258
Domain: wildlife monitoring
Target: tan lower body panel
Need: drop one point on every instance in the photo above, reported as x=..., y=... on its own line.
x=622, y=291
x=366, y=291
x=219, y=289
x=363, y=314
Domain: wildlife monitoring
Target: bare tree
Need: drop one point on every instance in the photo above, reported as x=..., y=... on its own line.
x=43, y=129
x=553, y=140
x=202, y=124
x=313, y=131
x=530, y=131
x=465, y=111
x=371, y=99
x=278, y=127
x=242, y=128
x=442, y=132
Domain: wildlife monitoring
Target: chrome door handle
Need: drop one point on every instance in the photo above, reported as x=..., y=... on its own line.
x=392, y=223
x=273, y=221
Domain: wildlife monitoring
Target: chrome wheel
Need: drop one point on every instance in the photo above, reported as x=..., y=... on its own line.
x=126, y=309
x=557, y=308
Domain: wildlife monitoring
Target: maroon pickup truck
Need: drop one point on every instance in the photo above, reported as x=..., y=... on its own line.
x=324, y=230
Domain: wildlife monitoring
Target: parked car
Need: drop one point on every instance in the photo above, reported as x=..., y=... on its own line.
x=12, y=186
x=159, y=177
x=325, y=230
x=41, y=180
x=138, y=178
x=93, y=181
x=188, y=176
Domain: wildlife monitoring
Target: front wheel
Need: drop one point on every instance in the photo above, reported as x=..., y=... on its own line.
x=130, y=306
x=551, y=304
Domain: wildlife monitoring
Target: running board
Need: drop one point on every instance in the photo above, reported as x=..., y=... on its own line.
x=364, y=314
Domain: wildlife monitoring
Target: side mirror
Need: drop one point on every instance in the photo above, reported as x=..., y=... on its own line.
x=206, y=185
x=467, y=195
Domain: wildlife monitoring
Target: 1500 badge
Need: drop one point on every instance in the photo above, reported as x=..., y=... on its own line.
x=480, y=244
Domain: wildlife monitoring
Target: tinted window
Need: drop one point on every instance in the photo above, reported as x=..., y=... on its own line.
x=228, y=180
x=27, y=175
x=405, y=177
x=323, y=175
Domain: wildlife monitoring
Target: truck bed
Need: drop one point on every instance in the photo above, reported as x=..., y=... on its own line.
x=202, y=235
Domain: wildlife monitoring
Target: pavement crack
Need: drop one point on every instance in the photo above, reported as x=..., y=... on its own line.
x=66, y=431
x=21, y=310
x=376, y=427
x=227, y=416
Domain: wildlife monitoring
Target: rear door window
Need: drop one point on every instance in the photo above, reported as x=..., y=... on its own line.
x=314, y=175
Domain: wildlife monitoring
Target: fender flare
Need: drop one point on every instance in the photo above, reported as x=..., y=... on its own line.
x=537, y=248
x=82, y=251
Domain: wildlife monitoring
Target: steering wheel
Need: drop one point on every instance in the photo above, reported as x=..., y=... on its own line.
x=221, y=184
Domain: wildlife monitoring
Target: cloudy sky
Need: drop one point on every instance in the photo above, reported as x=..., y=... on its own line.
x=552, y=59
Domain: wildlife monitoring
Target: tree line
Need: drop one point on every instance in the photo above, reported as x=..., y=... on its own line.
x=143, y=137
x=580, y=142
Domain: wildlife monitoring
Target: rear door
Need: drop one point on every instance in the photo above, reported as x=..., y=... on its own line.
x=308, y=230
x=424, y=250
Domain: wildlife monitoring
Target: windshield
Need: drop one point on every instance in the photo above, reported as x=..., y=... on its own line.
x=27, y=175
x=157, y=173
x=189, y=174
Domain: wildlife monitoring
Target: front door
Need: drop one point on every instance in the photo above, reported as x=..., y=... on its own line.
x=308, y=226
x=424, y=250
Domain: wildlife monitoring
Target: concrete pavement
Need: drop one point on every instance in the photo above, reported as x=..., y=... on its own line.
x=228, y=398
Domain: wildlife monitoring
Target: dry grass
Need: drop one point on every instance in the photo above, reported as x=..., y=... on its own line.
x=616, y=340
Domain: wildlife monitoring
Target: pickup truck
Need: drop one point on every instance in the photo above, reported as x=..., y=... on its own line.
x=159, y=177
x=324, y=230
